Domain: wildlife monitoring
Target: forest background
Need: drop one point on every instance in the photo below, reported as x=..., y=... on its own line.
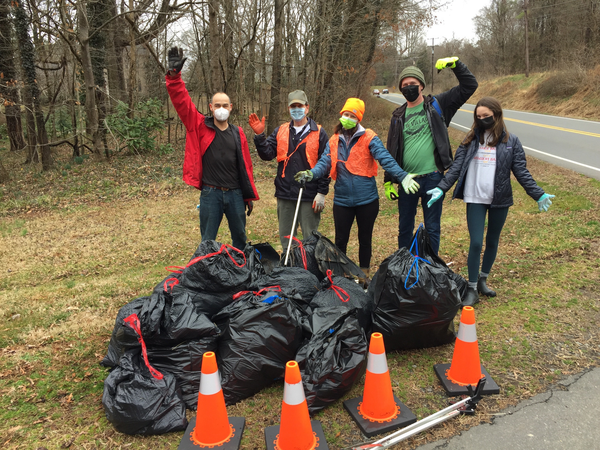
x=89, y=74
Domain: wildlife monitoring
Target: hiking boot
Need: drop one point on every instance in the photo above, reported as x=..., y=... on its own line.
x=471, y=297
x=483, y=289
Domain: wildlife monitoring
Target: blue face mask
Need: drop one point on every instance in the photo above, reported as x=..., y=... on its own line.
x=297, y=113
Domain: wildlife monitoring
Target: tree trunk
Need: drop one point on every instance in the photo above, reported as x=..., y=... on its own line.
x=276, y=70
x=216, y=76
x=31, y=91
x=10, y=92
x=98, y=14
x=4, y=176
x=133, y=87
x=91, y=110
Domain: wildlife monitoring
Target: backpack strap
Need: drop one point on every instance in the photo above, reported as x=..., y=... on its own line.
x=437, y=107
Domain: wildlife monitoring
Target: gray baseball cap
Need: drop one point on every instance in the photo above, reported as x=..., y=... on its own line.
x=297, y=97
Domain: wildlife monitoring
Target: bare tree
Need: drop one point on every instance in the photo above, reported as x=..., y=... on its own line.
x=9, y=93
x=36, y=125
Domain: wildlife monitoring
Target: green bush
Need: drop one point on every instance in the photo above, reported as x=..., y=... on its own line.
x=137, y=133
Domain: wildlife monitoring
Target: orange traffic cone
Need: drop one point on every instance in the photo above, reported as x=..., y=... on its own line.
x=466, y=368
x=211, y=427
x=378, y=410
x=296, y=430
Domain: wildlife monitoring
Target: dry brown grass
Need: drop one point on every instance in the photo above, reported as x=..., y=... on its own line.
x=571, y=94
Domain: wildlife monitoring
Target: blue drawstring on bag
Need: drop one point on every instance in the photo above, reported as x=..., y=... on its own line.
x=416, y=260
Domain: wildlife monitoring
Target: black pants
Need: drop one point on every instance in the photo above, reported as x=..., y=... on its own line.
x=343, y=218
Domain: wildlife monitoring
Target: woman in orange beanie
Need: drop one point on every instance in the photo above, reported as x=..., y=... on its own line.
x=350, y=158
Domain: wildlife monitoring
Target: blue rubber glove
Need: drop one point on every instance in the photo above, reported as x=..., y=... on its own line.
x=544, y=202
x=436, y=194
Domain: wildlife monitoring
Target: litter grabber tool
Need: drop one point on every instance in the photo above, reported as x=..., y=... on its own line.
x=465, y=406
x=287, y=253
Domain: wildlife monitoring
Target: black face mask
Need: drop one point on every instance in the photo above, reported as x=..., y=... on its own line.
x=410, y=92
x=486, y=123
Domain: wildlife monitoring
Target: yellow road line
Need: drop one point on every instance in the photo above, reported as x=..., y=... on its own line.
x=586, y=133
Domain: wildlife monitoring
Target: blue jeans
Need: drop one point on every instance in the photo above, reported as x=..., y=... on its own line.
x=213, y=204
x=476, y=213
x=407, y=209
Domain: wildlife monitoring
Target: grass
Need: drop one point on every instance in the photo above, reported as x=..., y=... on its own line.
x=74, y=248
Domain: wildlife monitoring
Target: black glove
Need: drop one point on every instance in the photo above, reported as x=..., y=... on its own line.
x=249, y=207
x=175, y=59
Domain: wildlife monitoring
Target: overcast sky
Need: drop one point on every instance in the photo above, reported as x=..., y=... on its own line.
x=455, y=20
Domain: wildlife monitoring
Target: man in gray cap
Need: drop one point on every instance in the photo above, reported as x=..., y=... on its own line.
x=418, y=139
x=297, y=145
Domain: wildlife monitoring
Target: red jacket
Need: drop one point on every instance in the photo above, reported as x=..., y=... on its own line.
x=200, y=134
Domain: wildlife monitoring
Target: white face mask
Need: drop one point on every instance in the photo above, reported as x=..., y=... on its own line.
x=221, y=114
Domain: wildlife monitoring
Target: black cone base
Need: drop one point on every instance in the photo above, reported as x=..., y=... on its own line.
x=237, y=423
x=453, y=389
x=272, y=432
x=368, y=428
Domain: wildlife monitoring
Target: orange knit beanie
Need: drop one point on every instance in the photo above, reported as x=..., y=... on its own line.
x=356, y=106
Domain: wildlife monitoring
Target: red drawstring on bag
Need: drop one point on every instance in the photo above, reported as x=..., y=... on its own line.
x=338, y=290
x=224, y=247
x=134, y=322
x=302, y=251
x=262, y=291
x=170, y=283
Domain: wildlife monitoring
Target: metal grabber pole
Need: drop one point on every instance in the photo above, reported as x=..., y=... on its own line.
x=287, y=253
x=466, y=406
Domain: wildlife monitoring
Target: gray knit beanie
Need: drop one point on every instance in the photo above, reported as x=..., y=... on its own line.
x=412, y=71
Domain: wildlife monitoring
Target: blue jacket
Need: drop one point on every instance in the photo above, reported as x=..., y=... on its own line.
x=355, y=190
x=510, y=157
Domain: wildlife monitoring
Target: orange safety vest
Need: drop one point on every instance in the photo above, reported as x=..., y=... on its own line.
x=283, y=144
x=360, y=161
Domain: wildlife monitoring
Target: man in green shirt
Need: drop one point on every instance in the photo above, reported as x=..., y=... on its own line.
x=418, y=140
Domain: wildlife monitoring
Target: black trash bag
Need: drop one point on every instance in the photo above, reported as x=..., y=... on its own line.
x=167, y=283
x=254, y=264
x=123, y=338
x=215, y=268
x=269, y=257
x=415, y=302
x=138, y=399
x=330, y=257
x=302, y=254
x=334, y=358
x=207, y=303
x=423, y=248
x=260, y=334
x=295, y=282
x=340, y=291
x=184, y=361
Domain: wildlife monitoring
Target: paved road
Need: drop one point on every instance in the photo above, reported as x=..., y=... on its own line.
x=570, y=143
x=563, y=418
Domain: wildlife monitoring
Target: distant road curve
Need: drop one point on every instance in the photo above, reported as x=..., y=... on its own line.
x=566, y=142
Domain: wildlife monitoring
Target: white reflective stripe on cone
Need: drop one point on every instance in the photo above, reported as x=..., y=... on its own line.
x=467, y=333
x=210, y=383
x=293, y=394
x=377, y=363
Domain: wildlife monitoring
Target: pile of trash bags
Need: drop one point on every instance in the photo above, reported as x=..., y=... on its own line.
x=257, y=315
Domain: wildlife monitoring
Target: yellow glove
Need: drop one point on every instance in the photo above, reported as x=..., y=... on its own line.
x=442, y=63
x=390, y=191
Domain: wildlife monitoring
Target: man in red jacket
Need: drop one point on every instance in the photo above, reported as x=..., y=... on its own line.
x=217, y=158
